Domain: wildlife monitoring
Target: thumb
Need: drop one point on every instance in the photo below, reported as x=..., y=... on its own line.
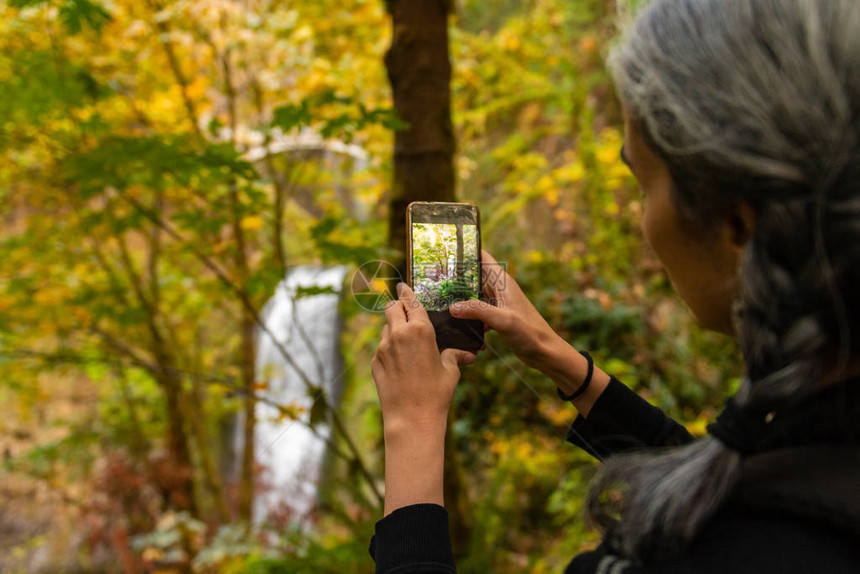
x=454, y=358
x=478, y=309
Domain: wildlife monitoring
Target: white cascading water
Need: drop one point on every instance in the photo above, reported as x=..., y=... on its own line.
x=308, y=327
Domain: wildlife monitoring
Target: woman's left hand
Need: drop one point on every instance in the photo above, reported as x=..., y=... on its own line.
x=414, y=381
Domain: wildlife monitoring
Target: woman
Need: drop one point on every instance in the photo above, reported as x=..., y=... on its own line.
x=742, y=125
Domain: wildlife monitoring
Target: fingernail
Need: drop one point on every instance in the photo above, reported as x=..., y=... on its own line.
x=399, y=288
x=456, y=309
x=470, y=359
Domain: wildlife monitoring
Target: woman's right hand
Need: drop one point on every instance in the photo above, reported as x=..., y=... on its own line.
x=511, y=314
x=508, y=311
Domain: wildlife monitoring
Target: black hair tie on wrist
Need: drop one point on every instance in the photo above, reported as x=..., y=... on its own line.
x=584, y=386
x=740, y=429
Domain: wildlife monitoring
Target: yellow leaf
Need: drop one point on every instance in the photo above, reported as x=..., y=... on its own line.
x=197, y=89
x=571, y=172
x=698, y=427
x=588, y=44
x=523, y=450
x=544, y=184
x=619, y=171
x=251, y=223
x=612, y=208
x=45, y=298
x=607, y=155
x=303, y=33
x=511, y=43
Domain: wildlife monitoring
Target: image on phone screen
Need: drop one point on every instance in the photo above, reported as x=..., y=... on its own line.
x=444, y=263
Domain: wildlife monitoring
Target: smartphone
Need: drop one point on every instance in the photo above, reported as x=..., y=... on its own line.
x=444, y=266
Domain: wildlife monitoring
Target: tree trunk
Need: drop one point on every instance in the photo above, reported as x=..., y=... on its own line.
x=247, y=352
x=197, y=415
x=182, y=479
x=420, y=74
x=248, y=474
x=419, y=70
x=247, y=363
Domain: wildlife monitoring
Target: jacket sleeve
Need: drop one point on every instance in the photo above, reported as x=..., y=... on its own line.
x=413, y=539
x=621, y=420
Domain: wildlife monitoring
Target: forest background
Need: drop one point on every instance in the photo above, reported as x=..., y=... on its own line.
x=163, y=164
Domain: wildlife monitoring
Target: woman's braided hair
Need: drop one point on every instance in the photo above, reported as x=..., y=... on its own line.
x=755, y=101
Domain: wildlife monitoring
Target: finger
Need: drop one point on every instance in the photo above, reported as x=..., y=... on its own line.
x=486, y=257
x=384, y=346
x=395, y=314
x=454, y=358
x=411, y=305
x=376, y=367
x=489, y=293
x=492, y=316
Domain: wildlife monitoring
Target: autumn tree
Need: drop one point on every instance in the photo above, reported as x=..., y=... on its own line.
x=154, y=191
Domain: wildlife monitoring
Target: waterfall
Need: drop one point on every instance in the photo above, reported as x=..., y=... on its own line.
x=308, y=326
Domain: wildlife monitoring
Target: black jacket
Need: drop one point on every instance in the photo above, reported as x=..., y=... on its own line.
x=796, y=508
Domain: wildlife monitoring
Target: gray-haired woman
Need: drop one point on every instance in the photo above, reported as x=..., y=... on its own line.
x=742, y=126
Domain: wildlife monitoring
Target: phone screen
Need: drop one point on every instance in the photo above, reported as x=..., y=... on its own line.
x=444, y=263
x=445, y=267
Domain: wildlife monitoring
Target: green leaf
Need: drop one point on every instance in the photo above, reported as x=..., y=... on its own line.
x=291, y=116
x=155, y=162
x=319, y=409
x=313, y=290
x=214, y=126
x=76, y=14
x=41, y=85
x=26, y=3
x=385, y=117
x=344, y=125
x=360, y=246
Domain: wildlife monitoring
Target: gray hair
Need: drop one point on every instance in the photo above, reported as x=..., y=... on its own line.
x=753, y=101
